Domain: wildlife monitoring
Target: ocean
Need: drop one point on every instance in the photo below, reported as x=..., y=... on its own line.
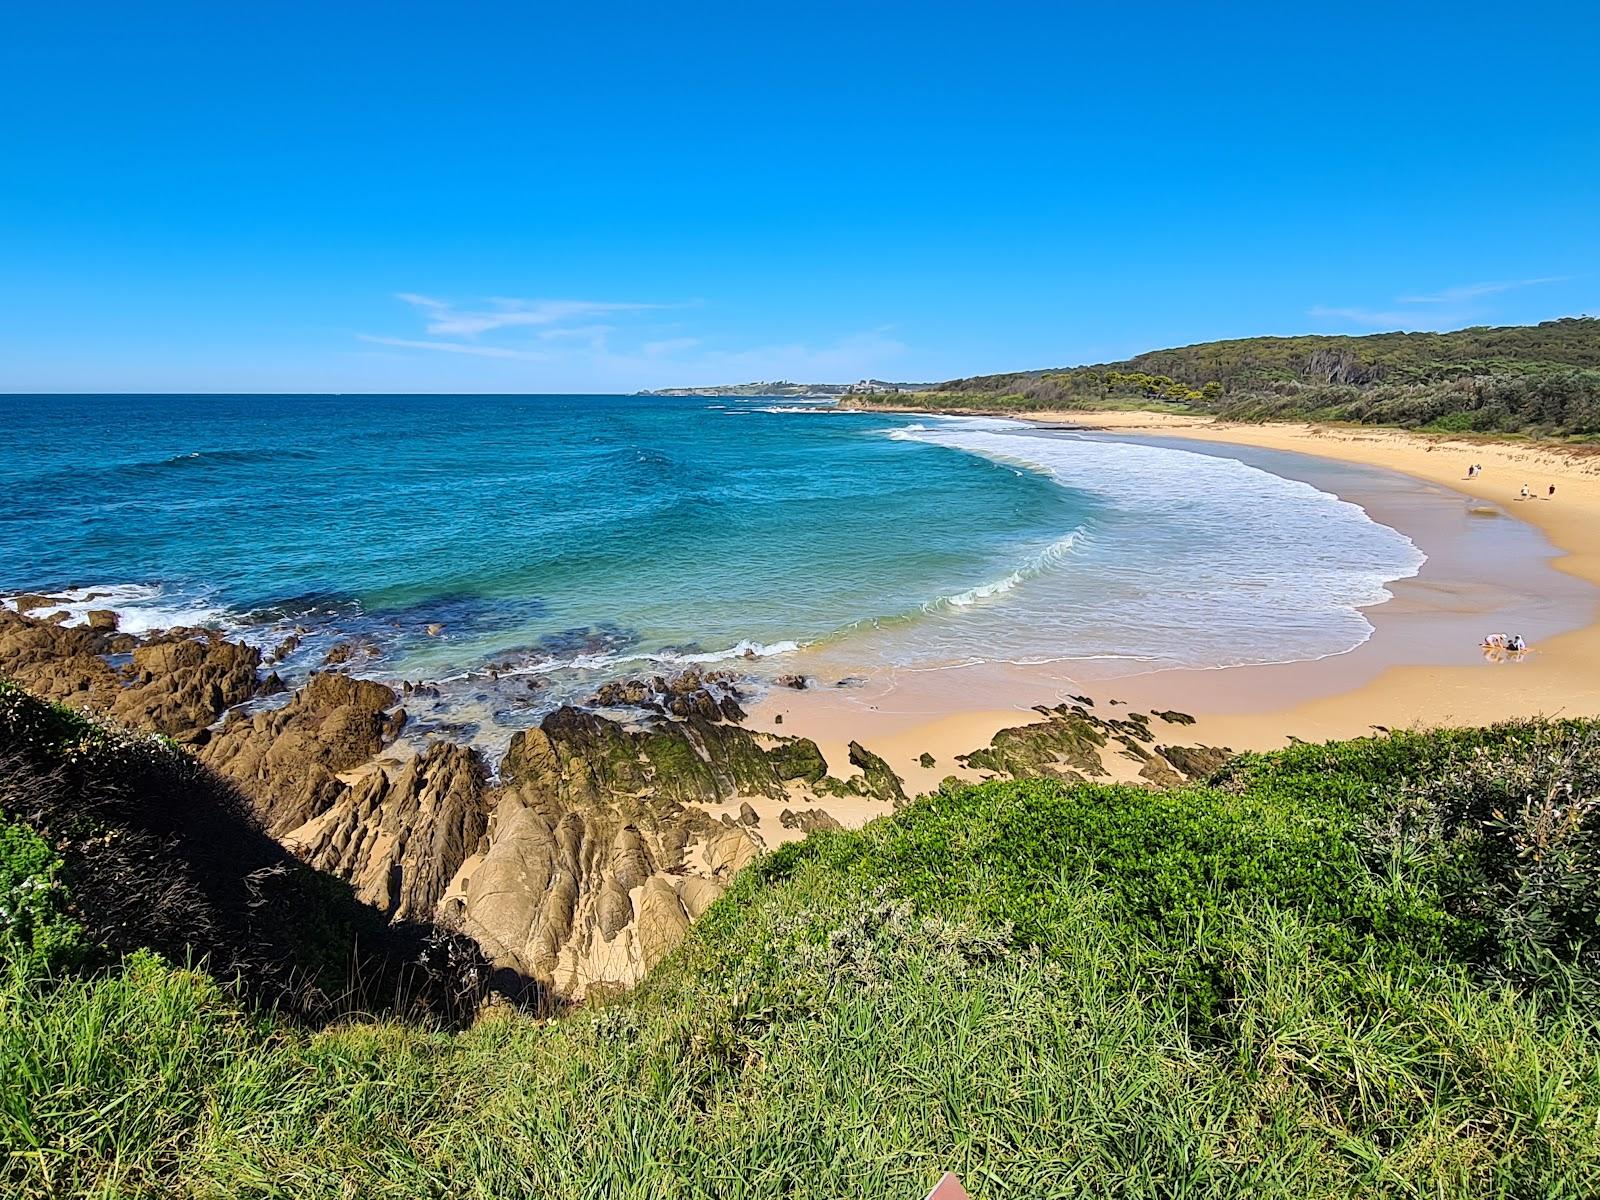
x=558, y=541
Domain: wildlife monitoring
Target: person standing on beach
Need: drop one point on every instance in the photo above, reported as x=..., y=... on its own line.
x=1552, y=494
x=1525, y=492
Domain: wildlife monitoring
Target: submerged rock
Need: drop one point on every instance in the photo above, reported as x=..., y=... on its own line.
x=359, y=649
x=28, y=601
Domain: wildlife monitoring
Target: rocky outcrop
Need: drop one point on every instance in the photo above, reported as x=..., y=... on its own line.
x=807, y=820
x=289, y=760
x=1196, y=762
x=1069, y=742
x=60, y=663
x=401, y=839
x=877, y=780
x=597, y=859
x=1065, y=745
x=180, y=687
x=177, y=683
x=710, y=695
x=579, y=868
x=579, y=863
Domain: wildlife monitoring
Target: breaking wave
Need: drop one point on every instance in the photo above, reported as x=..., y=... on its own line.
x=1051, y=556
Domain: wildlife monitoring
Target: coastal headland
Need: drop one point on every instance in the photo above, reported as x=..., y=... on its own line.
x=578, y=857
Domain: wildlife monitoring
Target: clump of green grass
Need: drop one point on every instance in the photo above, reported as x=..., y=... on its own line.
x=999, y=980
x=36, y=931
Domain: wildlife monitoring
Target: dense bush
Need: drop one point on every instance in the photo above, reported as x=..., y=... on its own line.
x=1541, y=379
x=1502, y=824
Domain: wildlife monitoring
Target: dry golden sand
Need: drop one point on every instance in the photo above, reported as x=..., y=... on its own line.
x=901, y=715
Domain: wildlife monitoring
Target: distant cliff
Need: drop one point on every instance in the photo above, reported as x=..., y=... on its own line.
x=782, y=387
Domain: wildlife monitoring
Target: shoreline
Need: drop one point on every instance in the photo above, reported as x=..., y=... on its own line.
x=1531, y=569
x=1413, y=672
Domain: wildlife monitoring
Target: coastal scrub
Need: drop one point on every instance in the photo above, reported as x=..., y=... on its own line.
x=1363, y=968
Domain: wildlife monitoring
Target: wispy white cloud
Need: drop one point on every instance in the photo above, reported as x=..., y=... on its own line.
x=630, y=350
x=451, y=347
x=1474, y=291
x=1446, y=308
x=444, y=319
x=571, y=332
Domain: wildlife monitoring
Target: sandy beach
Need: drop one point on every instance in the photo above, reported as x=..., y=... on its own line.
x=1421, y=668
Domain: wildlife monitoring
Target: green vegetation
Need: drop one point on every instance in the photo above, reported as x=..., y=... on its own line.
x=1366, y=968
x=1535, y=379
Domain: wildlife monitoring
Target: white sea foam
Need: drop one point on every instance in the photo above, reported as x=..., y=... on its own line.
x=828, y=409
x=745, y=649
x=1051, y=556
x=1185, y=559
x=140, y=608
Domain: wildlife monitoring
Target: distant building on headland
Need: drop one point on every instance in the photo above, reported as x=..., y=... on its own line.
x=783, y=387
x=874, y=387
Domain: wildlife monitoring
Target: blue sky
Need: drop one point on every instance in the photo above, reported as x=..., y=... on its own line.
x=497, y=197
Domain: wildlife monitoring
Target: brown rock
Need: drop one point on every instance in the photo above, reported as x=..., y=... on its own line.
x=177, y=683
x=28, y=601
x=401, y=840
x=181, y=687
x=351, y=650
x=288, y=760
x=808, y=820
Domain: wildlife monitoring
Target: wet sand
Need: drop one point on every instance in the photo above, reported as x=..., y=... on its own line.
x=1495, y=563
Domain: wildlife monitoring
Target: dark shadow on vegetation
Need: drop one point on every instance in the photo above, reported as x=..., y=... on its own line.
x=159, y=851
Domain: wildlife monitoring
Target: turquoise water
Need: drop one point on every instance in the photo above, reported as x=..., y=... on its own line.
x=558, y=540
x=561, y=523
